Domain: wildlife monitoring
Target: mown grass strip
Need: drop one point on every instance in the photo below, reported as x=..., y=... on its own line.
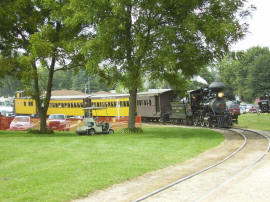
x=64, y=166
x=255, y=121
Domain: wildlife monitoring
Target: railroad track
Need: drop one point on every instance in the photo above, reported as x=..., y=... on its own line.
x=239, y=154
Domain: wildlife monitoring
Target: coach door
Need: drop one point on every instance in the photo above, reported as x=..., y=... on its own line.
x=157, y=101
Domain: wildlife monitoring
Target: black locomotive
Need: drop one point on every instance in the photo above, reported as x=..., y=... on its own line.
x=202, y=107
x=264, y=103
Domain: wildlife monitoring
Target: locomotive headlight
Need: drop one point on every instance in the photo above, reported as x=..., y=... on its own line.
x=220, y=94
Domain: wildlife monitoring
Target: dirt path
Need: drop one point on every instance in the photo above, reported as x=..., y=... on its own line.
x=135, y=188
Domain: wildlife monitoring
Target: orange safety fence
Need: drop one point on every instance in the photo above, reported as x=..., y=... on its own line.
x=67, y=125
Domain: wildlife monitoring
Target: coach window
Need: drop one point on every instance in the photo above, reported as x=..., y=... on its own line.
x=127, y=103
x=150, y=103
x=71, y=105
x=24, y=103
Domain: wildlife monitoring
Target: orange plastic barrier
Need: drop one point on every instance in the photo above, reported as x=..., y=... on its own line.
x=69, y=124
x=5, y=123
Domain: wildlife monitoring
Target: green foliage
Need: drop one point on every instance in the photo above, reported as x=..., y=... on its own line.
x=82, y=81
x=10, y=84
x=64, y=166
x=33, y=37
x=161, y=39
x=245, y=73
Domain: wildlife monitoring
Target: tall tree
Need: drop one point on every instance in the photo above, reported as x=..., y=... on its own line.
x=84, y=82
x=9, y=85
x=132, y=38
x=32, y=37
x=245, y=73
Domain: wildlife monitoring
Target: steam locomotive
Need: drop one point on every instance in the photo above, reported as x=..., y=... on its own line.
x=264, y=103
x=204, y=107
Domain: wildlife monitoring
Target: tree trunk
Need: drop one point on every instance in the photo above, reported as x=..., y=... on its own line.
x=132, y=108
x=43, y=124
x=43, y=104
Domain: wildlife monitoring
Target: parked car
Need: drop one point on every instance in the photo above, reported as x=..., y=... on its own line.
x=57, y=122
x=251, y=109
x=21, y=123
x=242, y=109
x=234, y=109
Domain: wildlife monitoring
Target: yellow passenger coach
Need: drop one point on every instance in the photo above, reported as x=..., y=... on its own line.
x=109, y=105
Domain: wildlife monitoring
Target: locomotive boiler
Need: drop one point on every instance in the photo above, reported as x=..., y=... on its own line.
x=202, y=107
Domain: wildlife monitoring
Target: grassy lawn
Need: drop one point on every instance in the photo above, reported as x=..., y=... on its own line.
x=254, y=121
x=65, y=166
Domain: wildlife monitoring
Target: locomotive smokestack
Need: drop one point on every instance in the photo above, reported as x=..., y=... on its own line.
x=217, y=86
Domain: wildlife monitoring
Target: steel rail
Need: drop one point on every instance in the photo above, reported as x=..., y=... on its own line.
x=241, y=171
x=196, y=173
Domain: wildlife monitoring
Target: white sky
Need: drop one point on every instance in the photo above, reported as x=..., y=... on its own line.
x=259, y=29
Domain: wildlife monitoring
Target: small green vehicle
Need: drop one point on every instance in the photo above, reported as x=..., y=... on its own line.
x=91, y=127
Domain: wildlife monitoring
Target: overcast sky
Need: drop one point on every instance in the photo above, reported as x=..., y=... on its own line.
x=258, y=27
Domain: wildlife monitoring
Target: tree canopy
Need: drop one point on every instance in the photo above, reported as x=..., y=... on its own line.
x=246, y=73
x=34, y=37
x=159, y=38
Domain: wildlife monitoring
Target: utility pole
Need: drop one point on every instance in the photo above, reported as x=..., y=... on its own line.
x=85, y=88
x=89, y=90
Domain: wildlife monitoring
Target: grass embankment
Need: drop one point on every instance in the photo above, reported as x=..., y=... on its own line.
x=254, y=121
x=64, y=166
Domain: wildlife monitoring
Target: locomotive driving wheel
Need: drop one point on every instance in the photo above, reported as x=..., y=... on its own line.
x=202, y=124
x=207, y=124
